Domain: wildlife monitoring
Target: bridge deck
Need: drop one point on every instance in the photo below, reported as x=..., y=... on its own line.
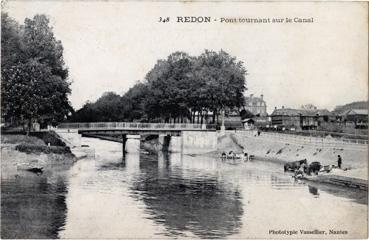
x=121, y=126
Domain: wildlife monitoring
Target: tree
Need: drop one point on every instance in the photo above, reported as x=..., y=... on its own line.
x=178, y=88
x=309, y=107
x=223, y=81
x=168, y=83
x=34, y=78
x=354, y=105
x=11, y=51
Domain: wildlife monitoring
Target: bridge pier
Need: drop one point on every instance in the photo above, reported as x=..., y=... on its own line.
x=175, y=144
x=131, y=143
x=170, y=143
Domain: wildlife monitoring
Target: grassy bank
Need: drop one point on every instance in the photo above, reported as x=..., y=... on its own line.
x=39, y=150
x=41, y=142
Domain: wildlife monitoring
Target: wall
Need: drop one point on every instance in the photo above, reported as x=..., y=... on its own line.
x=133, y=143
x=286, y=149
x=196, y=142
x=70, y=137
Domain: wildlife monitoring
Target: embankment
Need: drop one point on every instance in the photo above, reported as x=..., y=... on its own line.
x=274, y=148
x=39, y=151
x=354, y=156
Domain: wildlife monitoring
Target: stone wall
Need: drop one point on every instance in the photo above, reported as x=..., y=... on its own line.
x=195, y=142
x=71, y=137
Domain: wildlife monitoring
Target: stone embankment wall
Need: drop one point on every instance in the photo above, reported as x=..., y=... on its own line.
x=199, y=142
x=71, y=137
x=289, y=148
x=191, y=142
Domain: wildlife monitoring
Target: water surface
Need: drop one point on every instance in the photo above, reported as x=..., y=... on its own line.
x=172, y=196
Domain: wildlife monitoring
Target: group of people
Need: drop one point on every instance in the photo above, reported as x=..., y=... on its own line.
x=304, y=168
x=233, y=155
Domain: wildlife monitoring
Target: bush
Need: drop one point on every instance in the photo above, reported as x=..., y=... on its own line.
x=49, y=137
x=20, y=139
x=32, y=148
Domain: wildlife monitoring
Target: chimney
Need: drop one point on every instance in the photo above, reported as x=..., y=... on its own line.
x=275, y=108
x=262, y=96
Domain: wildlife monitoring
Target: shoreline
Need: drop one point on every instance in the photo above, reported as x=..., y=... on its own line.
x=347, y=178
x=21, y=152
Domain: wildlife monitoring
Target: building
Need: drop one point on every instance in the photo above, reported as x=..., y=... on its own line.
x=232, y=119
x=299, y=119
x=255, y=105
x=357, y=117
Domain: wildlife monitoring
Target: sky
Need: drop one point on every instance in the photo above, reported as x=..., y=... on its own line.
x=110, y=45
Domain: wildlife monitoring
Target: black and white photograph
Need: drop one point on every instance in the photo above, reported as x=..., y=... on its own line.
x=184, y=119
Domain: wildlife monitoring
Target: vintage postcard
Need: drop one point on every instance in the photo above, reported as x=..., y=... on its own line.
x=184, y=120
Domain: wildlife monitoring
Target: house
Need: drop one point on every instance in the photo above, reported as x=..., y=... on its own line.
x=357, y=117
x=248, y=123
x=255, y=105
x=232, y=119
x=303, y=119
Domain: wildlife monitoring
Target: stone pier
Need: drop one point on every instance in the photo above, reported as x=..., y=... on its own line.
x=132, y=144
x=175, y=144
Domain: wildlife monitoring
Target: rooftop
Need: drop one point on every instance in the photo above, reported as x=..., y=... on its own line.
x=357, y=112
x=303, y=112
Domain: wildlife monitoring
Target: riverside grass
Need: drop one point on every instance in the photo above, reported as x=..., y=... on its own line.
x=36, y=144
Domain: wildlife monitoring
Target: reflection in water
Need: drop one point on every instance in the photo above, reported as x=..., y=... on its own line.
x=169, y=196
x=32, y=206
x=355, y=195
x=184, y=202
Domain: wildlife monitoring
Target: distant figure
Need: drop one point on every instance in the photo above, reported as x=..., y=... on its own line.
x=245, y=155
x=303, y=167
x=258, y=133
x=299, y=173
x=339, y=161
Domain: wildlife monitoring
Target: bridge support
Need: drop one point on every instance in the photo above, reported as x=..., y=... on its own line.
x=170, y=143
x=175, y=144
x=132, y=143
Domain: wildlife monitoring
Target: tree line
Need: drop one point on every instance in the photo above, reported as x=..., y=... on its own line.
x=180, y=88
x=34, y=78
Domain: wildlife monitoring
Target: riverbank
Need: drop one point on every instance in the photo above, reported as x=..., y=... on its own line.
x=268, y=149
x=42, y=151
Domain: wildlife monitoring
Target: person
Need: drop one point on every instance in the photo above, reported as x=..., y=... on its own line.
x=303, y=166
x=230, y=154
x=299, y=173
x=244, y=154
x=339, y=161
x=258, y=132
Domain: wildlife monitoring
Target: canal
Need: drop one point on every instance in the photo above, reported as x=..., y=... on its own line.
x=173, y=196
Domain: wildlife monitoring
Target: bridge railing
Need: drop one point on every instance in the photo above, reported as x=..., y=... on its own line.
x=128, y=125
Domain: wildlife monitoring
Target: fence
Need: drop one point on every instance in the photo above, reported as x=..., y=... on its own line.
x=131, y=125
